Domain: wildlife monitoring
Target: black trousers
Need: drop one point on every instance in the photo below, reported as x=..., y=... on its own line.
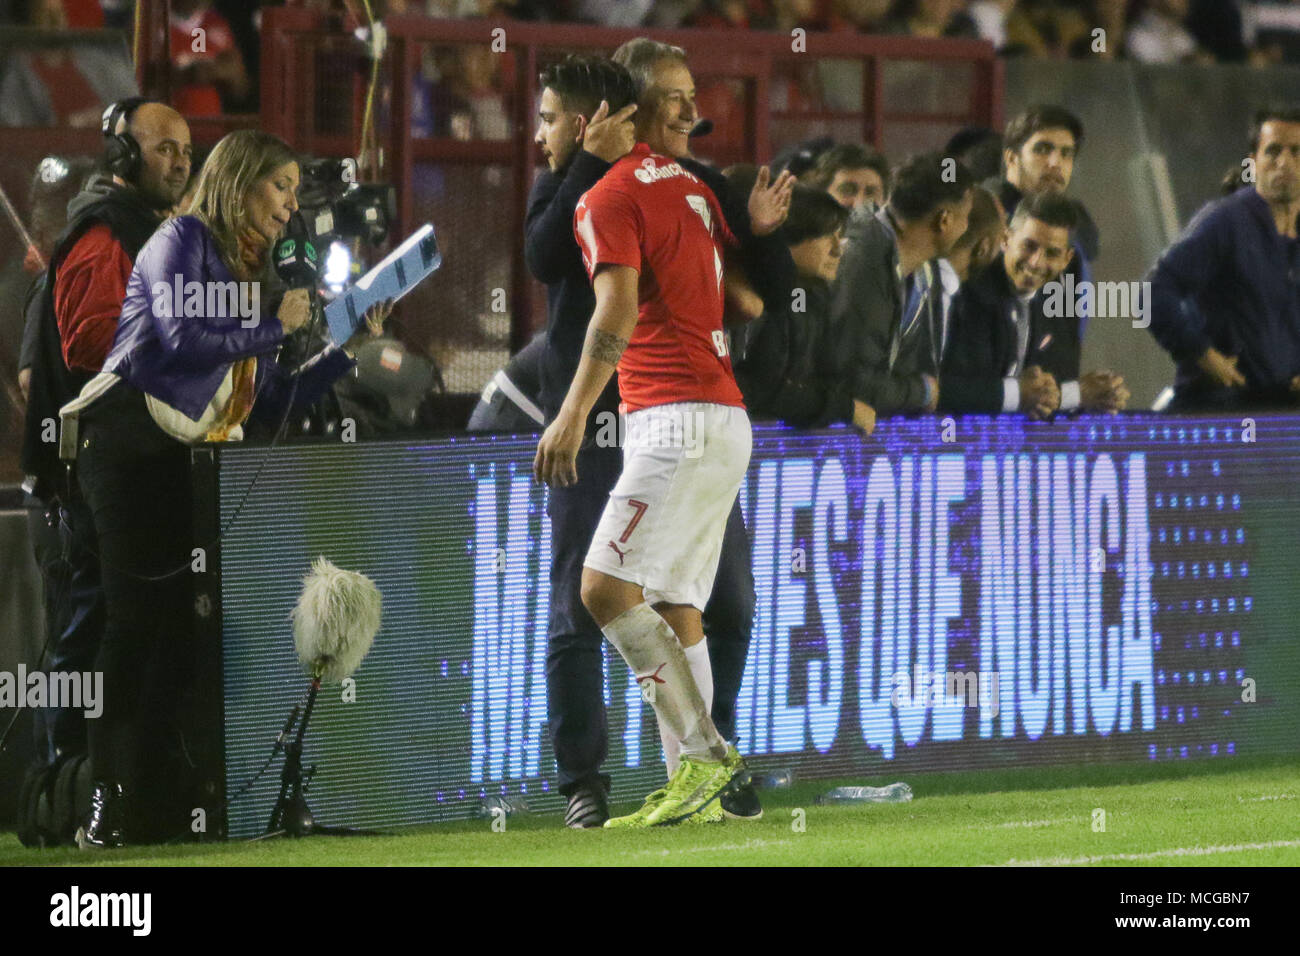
x=135, y=480
x=575, y=693
x=65, y=550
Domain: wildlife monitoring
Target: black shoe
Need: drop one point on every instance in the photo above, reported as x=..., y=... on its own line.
x=742, y=803
x=588, y=807
x=103, y=829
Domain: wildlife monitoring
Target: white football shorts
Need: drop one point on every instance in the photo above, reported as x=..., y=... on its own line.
x=663, y=524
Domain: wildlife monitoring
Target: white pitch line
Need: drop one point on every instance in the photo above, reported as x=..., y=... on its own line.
x=1268, y=796
x=1154, y=855
x=747, y=845
x=1016, y=824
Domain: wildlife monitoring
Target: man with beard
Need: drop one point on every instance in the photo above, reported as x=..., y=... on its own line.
x=1224, y=297
x=1039, y=150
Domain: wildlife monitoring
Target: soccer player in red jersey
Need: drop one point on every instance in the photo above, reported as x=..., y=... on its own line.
x=652, y=237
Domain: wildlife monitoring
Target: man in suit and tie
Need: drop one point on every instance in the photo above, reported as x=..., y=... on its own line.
x=1004, y=354
x=883, y=281
x=978, y=246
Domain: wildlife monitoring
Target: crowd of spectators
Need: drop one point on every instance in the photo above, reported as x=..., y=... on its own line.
x=458, y=93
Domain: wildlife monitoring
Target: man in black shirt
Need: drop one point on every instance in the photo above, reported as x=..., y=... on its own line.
x=583, y=128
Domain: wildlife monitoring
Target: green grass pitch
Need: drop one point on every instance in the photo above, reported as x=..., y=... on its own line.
x=1242, y=812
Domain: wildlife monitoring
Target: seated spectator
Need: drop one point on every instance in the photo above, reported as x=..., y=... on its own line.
x=784, y=372
x=851, y=175
x=1004, y=353
x=509, y=401
x=207, y=68
x=612, y=13
x=858, y=16
x=932, y=18
x=711, y=14
x=1224, y=301
x=877, y=299
x=782, y=16
x=1218, y=29
x=1046, y=29
x=1159, y=34
x=979, y=149
x=799, y=158
x=465, y=102
x=990, y=18
x=60, y=85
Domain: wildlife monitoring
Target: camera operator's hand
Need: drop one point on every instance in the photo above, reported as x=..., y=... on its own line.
x=864, y=417
x=1039, y=394
x=295, y=310
x=769, y=202
x=1221, y=369
x=1102, y=391
x=610, y=137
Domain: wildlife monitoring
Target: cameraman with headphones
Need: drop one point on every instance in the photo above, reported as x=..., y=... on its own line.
x=146, y=167
x=144, y=172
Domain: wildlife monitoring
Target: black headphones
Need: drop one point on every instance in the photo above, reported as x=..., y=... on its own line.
x=121, y=151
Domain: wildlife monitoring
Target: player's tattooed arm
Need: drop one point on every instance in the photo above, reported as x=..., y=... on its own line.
x=604, y=346
x=608, y=335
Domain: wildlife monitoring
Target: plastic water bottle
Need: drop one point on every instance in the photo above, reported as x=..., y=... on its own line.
x=894, y=793
x=773, y=779
x=492, y=806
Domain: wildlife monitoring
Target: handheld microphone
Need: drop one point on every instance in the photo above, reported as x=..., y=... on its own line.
x=296, y=262
x=702, y=127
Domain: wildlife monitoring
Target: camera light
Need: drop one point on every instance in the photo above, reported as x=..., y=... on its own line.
x=338, y=266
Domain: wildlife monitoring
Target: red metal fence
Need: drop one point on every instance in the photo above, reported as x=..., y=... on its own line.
x=457, y=132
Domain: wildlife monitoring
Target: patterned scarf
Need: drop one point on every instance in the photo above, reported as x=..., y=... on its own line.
x=249, y=265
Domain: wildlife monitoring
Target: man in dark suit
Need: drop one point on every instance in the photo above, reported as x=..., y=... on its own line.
x=1004, y=353
x=878, y=296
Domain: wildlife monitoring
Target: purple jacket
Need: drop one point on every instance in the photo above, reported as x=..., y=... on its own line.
x=182, y=359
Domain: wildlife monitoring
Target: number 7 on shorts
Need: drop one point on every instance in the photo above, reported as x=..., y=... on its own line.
x=640, y=508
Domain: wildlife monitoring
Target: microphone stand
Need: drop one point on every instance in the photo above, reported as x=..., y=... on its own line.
x=291, y=815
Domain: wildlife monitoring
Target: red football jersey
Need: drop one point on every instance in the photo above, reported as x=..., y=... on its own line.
x=203, y=36
x=651, y=214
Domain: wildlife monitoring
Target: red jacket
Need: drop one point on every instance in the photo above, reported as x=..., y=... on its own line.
x=88, y=294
